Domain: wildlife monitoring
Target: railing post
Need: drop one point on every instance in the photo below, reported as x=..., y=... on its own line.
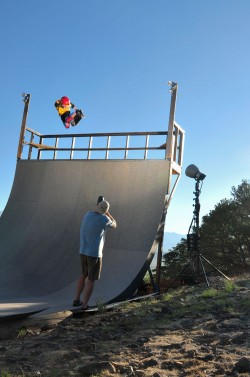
x=176, y=145
x=126, y=148
x=72, y=148
x=107, y=150
x=30, y=148
x=170, y=137
x=146, y=147
x=90, y=146
x=26, y=99
x=39, y=152
x=56, y=146
x=180, y=154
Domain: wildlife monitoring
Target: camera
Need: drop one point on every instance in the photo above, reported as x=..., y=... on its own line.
x=100, y=199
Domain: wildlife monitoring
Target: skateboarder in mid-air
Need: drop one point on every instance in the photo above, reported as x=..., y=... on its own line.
x=68, y=118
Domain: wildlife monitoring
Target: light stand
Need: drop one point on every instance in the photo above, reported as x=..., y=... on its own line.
x=193, y=238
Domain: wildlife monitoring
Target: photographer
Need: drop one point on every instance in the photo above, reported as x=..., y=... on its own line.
x=92, y=237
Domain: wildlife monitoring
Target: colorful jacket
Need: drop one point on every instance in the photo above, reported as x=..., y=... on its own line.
x=61, y=110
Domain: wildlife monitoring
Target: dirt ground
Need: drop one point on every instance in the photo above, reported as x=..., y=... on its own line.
x=188, y=331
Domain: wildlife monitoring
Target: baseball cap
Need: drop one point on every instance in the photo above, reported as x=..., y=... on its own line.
x=103, y=206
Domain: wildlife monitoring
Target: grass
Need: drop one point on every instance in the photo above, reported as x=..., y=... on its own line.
x=167, y=296
x=180, y=303
x=22, y=332
x=229, y=286
x=5, y=374
x=210, y=293
x=101, y=306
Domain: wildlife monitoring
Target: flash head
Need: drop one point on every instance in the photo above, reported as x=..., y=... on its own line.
x=193, y=172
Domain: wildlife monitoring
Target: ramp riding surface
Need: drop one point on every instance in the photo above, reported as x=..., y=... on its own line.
x=39, y=229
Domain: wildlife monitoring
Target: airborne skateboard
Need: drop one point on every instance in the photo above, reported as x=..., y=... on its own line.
x=72, y=121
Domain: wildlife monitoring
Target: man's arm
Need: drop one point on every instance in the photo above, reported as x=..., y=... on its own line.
x=114, y=224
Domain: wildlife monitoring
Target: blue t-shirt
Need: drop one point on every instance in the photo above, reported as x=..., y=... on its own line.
x=92, y=233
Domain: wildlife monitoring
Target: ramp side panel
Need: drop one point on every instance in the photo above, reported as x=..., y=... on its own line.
x=39, y=228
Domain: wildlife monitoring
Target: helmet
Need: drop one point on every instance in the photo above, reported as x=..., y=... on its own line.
x=65, y=101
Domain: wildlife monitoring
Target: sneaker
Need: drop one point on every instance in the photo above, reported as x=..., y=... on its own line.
x=73, y=123
x=67, y=125
x=85, y=308
x=77, y=303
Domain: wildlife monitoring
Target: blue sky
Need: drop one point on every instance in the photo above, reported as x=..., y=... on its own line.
x=113, y=58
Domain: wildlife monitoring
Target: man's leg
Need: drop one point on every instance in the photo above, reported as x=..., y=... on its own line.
x=81, y=281
x=87, y=291
x=80, y=287
x=70, y=117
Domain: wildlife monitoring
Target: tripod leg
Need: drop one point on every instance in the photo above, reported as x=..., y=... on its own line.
x=215, y=267
x=203, y=269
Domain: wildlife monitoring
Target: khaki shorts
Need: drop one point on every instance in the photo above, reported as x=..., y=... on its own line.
x=91, y=267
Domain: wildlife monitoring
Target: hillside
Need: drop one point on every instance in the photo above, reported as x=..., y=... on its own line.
x=189, y=331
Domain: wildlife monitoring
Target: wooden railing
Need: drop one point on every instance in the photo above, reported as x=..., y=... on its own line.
x=106, y=142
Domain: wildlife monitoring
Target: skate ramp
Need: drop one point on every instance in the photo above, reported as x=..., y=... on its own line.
x=39, y=229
